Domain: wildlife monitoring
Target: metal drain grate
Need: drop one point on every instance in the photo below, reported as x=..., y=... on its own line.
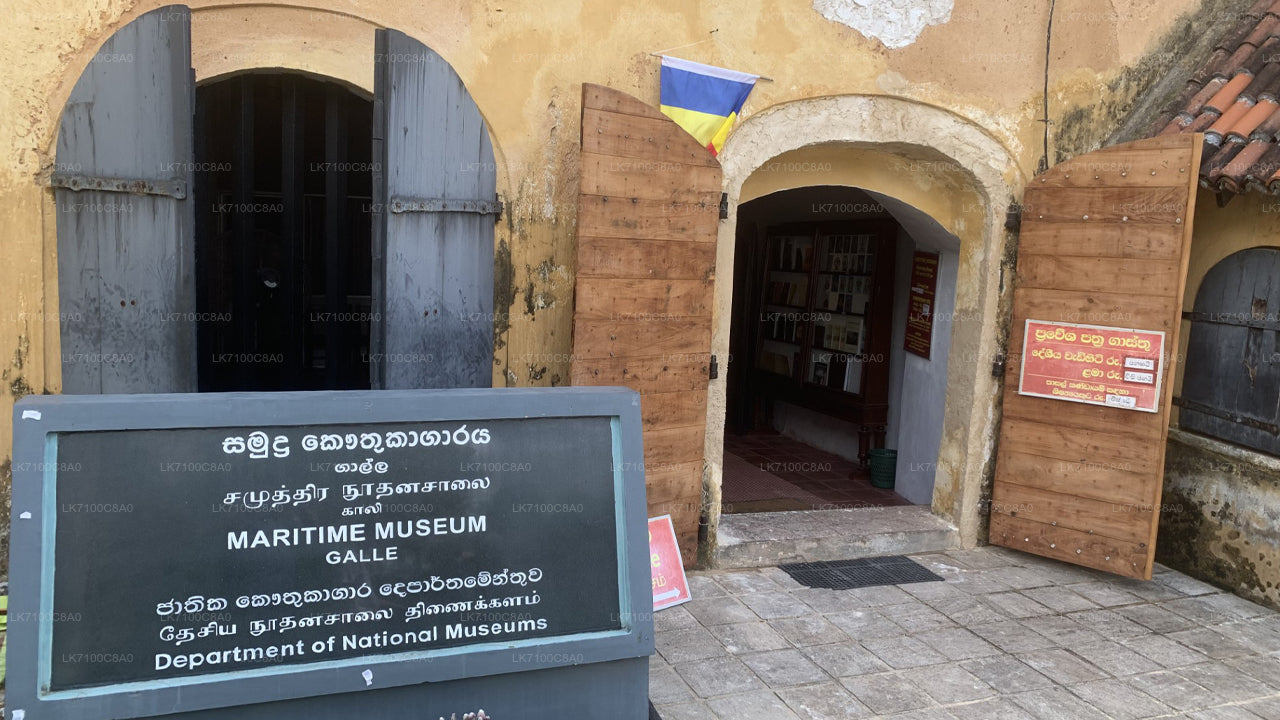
x=860, y=573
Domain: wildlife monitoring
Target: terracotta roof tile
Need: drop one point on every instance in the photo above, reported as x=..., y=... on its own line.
x=1262, y=81
x=1263, y=30
x=1234, y=98
x=1233, y=176
x=1226, y=97
x=1270, y=126
x=1262, y=170
x=1203, y=121
x=1245, y=126
x=1266, y=52
x=1200, y=99
x=1177, y=124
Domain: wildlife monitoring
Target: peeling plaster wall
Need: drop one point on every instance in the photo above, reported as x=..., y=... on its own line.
x=1220, y=516
x=896, y=23
x=524, y=63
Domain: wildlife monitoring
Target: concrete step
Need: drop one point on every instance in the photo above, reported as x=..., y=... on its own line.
x=748, y=540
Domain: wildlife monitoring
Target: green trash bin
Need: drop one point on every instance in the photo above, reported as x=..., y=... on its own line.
x=884, y=465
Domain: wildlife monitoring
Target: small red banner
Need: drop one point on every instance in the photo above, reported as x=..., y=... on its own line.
x=1093, y=364
x=670, y=587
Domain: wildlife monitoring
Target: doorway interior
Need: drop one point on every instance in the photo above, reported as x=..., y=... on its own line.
x=819, y=377
x=283, y=188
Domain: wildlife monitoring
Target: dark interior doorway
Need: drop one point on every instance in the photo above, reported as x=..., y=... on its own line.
x=283, y=188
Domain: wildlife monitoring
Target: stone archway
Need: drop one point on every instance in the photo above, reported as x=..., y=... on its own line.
x=936, y=162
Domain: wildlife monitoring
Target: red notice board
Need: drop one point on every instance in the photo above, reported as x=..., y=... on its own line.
x=1093, y=364
x=670, y=587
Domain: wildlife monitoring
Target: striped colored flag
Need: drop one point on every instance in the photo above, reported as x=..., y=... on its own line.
x=702, y=99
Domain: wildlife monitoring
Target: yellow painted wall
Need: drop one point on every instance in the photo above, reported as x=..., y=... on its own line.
x=524, y=62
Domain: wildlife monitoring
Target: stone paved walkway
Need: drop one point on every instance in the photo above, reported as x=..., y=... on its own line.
x=1007, y=636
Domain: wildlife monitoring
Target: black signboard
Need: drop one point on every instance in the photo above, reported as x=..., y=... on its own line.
x=189, y=552
x=229, y=548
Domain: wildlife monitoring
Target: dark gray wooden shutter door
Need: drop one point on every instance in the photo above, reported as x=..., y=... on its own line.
x=433, y=235
x=123, y=175
x=1231, y=389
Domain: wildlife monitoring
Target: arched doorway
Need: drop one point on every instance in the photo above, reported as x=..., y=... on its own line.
x=825, y=370
x=397, y=295
x=946, y=170
x=283, y=189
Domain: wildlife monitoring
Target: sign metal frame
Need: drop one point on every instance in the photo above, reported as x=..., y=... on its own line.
x=39, y=419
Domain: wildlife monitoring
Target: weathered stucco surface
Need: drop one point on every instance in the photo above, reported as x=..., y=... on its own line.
x=524, y=63
x=1220, y=517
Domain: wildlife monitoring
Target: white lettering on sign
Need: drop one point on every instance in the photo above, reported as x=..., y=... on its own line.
x=1122, y=401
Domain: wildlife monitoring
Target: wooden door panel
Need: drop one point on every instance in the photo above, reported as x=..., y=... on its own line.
x=435, y=205
x=647, y=219
x=1105, y=241
x=126, y=276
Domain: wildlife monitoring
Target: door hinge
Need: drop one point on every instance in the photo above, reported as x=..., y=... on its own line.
x=997, y=366
x=714, y=371
x=173, y=187
x=1013, y=217
x=441, y=205
x=724, y=206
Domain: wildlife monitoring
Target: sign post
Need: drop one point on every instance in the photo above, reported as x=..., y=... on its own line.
x=364, y=554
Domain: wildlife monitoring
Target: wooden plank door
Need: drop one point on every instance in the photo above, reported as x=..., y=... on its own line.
x=435, y=206
x=126, y=277
x=648, y=211
x=1104, y=242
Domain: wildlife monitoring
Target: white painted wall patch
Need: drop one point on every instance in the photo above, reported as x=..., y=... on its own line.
x=896, y=23
x=30, y=414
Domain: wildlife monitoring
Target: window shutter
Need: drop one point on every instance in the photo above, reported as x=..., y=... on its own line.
x=124, y=214
x=435, y=201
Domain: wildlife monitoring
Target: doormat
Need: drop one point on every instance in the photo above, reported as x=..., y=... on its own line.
x=860, y=573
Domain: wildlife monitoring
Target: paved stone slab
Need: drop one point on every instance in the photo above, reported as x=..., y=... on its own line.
x=958, y=644
x=748, y=637
x=763, y=705
x=887, y=693
x=775, y=605
x=824, y=701
x=845, y=659
x=696, y=643
x=1007, y=674
x=1119, y=701
x=948, y=684
x=684, y=711
x=1168, y=653
x=1061, y=666
x=903, y=652
x=1004, y=635
x=719, y=676
x=995, y=709
x=782, y=668
x=808, y=630
x=1174, y=690
x=1056, y=704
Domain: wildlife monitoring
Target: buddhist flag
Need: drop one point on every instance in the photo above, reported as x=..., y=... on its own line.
x=702, y=99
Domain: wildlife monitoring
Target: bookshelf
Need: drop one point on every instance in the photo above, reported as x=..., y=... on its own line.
x=825, y=299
